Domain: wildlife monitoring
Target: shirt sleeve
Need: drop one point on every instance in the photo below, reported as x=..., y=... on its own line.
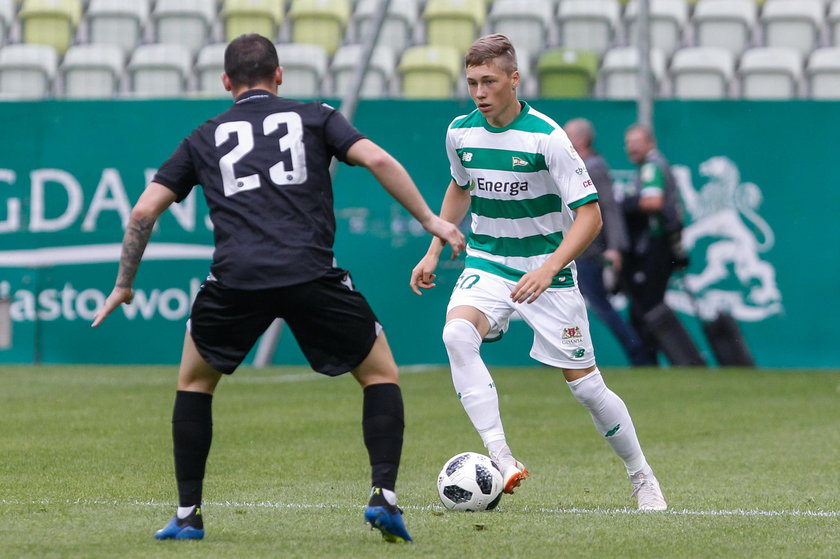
x=178, y=172
x=652, y=180
x=568, y=171
x=340, y=134
x=456, y=168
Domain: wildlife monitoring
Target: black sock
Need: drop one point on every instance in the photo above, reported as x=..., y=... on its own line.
x=192, y=432
x=382, y=426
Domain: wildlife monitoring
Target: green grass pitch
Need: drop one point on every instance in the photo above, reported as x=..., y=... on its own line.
x=748, y=460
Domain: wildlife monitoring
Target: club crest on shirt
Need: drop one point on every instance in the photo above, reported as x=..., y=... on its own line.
x=519, y=162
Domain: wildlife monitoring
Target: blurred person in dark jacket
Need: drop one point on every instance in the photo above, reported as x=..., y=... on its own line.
x=600, y=264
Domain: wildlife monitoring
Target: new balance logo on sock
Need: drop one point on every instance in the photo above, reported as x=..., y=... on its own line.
x=613, y=431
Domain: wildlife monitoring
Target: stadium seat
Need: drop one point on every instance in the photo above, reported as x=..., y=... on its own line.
x=116, y=22
x=702, y=73
x=619, y=75
x=833, y=21
x=724, y=23
x=588, y=24
x=7, y=19
x=667, y=20
x=397, y=28
x=792, y=23
x=377, y=79
x=209, y=67
x=528, y=86
x=564, y=72
x=251, y=16
x=304, y=69
x=824, y=73
x=160, y=70
x=27, y=71
x=430, y=72
x=50, y=22
x=526, y=23
x=453, y=23
x=770, y=73
x=92, y=71
x=184, y=22
x=319, y=22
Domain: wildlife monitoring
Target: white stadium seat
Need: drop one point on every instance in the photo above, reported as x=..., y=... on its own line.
x=526, y=23
x=160, y=70
x=725, y=23
x=27, y=71
x=824, y=73
x=377, y=80
x=588, y=24
x=117, y=22
x=397, y=28
x=667, y=21
x=770, y=73
x=92, y=71
x=184, y=22
x=793, y=23
x=702, y=73
x=304, y=69
x=620, y=68
x=209, y=67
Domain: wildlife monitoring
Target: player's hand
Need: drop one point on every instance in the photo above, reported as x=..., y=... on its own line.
x=448, y=233
x=118, y=296
x=614, y=258
x=532, y=285
x=423, y=275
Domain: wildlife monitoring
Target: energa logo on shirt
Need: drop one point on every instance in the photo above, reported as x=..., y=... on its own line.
x=727, y=237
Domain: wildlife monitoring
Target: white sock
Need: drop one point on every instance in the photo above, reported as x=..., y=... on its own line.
x=611, y=418
x=184, y=512
x=473, y=383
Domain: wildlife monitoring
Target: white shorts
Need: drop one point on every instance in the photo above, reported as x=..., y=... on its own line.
x=558, y=317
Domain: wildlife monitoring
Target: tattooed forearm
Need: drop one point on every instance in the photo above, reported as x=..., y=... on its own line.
x=134, y=244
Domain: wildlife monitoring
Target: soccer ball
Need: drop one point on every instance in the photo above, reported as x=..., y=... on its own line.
x=470, y=482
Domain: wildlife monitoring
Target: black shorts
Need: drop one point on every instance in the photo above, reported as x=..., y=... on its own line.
x=331, y=321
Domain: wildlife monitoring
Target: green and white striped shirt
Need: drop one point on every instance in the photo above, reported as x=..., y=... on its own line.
x=524, y=180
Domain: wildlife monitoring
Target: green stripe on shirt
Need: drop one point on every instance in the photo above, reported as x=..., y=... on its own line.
x=501, y=160
x=563, y=279
x=535, y=245
x=516, y=208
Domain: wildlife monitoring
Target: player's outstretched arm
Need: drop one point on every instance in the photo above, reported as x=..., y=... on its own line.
x=396, y=181
x=154, y=200
x=456, y=202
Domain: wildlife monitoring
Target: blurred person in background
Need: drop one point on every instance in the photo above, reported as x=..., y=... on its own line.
x=654, y=224
x=599, y=265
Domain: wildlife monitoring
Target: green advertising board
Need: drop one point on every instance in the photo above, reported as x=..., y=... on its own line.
x=756, y=180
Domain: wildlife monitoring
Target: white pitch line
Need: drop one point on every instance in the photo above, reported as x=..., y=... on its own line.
x=560, y=511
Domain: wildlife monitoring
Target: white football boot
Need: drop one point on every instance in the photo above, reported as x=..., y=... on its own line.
x=647, y=492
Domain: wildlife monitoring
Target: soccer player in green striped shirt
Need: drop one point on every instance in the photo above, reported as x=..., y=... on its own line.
x=533, y=210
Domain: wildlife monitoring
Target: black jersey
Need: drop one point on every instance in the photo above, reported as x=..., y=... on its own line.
x=264, y=167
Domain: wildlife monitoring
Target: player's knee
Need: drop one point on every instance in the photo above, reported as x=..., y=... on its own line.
x=460, y=334
x=589, y=390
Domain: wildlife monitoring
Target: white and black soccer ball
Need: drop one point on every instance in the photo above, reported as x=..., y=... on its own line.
x=470, y=482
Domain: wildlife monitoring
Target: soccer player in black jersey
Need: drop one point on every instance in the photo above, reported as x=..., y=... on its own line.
x=264, y=168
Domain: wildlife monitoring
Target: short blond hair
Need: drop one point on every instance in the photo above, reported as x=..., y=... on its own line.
x=488, y=49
